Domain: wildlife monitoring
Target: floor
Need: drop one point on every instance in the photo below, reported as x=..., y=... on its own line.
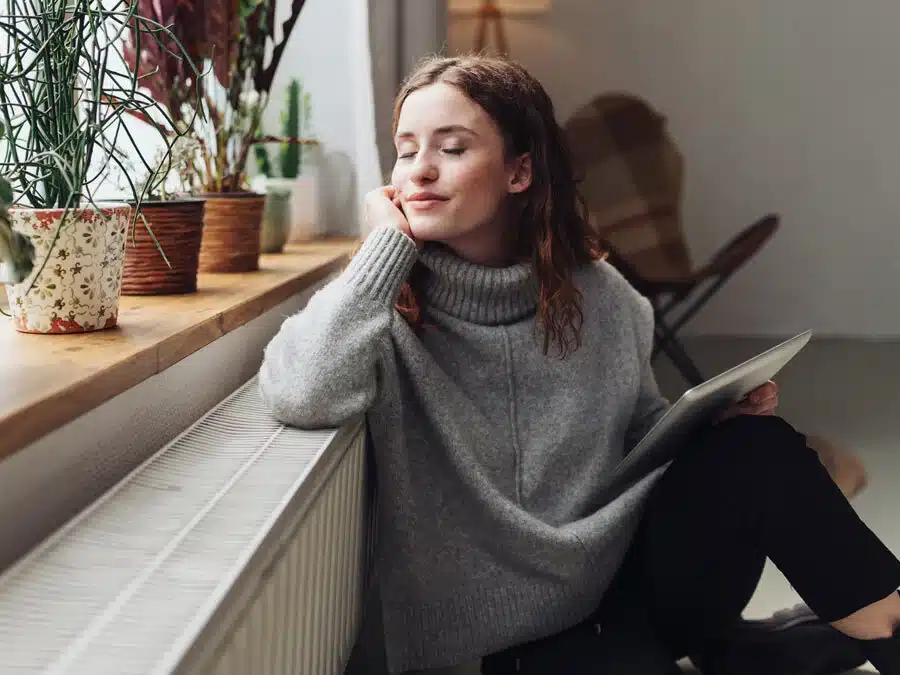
x=846, y=390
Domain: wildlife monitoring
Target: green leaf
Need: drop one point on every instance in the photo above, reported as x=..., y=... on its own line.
x=6, y=195
x=2, y=130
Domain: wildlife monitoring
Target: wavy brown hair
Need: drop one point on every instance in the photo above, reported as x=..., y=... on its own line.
x=553, y=233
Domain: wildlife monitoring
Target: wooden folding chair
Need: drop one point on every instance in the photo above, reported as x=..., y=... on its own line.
x=631, y=175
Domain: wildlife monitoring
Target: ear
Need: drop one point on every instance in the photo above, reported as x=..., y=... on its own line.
x=520, y=176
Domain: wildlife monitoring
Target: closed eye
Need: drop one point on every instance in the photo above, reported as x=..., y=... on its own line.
x=455, y=151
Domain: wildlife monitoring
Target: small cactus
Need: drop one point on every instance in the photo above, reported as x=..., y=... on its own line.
x=290, y=129
x=294, y=120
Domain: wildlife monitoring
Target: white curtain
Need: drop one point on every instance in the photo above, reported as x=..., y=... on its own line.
x=401, y=32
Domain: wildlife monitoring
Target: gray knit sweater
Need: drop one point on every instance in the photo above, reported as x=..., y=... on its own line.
x=498, y=522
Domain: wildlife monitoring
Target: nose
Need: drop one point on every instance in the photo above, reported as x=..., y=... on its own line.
x=424, y=169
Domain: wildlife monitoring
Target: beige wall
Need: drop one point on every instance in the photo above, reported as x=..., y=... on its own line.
x=779, y=106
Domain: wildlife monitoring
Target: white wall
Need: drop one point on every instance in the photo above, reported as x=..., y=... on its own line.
x=790, y=107
x=329, y=52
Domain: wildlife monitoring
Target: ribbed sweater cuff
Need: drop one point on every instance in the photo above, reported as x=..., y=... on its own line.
x=382, y=264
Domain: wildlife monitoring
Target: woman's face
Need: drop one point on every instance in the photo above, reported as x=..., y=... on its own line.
x=452, y=175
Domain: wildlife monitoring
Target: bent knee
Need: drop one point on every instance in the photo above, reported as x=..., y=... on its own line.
x=755, y=425
x=769, y=430
x=751, y=445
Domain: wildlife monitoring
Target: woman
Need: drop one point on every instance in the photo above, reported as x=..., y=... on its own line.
x=504, y=370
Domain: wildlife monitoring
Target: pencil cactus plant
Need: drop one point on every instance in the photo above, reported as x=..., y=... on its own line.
x=64, y=99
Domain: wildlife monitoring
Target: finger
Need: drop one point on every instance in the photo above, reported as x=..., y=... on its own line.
x=389, y=191
x=764, y=402
x=765, y=392
x=771, y=403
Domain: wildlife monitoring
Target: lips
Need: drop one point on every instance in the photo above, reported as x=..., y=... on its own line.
x=425, y=197
x=424, y=201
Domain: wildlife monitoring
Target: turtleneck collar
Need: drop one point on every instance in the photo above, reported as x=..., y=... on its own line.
x=478, y=293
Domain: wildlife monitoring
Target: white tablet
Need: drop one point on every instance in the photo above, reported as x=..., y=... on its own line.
x=700, y=404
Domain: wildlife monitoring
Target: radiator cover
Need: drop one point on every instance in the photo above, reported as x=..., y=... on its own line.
x=240, y=547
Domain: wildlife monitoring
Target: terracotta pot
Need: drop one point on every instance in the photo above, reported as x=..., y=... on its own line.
x=79, y=287
x=231, y=232
x=178, y=227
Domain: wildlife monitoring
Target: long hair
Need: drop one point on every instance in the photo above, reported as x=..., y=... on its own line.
x=552, y=233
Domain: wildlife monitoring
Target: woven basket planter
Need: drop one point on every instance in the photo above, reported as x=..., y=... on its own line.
x=178, y=226
x=231, y=232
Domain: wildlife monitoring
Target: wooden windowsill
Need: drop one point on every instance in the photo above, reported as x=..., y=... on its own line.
x=47, y=381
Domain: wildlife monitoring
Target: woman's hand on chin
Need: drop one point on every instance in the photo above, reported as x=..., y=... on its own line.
x=383, y=208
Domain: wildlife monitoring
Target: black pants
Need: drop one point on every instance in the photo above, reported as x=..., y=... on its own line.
x=744, y=490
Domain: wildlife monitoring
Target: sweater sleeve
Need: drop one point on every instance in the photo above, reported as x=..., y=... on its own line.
x=651, y=404
x=320, y=369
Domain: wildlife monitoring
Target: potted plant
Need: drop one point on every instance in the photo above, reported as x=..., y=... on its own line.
x=164, y=259
x=296, y=184
x=236, y=40
x=63, y=103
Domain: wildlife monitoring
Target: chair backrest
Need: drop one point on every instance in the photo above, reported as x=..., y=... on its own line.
x=631, y=175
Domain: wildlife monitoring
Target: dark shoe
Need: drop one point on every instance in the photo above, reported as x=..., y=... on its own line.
x=884, y=654
x=791, y=642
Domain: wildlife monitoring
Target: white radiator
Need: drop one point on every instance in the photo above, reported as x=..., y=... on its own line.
x=238, y=549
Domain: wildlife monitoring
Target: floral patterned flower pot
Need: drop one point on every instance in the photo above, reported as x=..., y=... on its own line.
x=79, y=288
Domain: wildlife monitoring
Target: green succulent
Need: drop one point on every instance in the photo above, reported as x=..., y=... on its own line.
x=294, y=122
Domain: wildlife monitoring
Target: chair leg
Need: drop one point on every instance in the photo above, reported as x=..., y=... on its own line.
x=696, y=304
x=667, y=343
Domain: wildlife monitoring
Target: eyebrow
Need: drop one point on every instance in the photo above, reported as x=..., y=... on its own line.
x=441, y=131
